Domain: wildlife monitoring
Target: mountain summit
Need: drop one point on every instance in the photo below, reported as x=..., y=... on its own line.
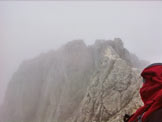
x=76, y=83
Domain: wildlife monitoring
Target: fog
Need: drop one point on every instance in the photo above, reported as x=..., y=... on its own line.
x=30, y=28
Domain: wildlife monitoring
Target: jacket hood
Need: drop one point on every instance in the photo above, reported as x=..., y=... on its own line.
x=152, y=76
x=151, y=92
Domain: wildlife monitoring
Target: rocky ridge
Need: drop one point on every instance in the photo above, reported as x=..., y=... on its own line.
x=76, y=83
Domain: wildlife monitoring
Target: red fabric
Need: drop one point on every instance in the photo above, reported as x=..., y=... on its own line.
x=151, y=92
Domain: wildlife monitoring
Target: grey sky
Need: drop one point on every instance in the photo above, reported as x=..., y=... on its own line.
x=29, y=28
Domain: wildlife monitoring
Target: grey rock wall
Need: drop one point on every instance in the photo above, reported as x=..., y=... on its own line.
x=76, y=83
x=112, y=93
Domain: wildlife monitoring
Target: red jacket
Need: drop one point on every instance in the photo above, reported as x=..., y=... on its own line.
x=151, y=95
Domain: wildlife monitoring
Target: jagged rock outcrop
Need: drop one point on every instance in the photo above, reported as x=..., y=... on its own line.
x=112, y=92
x=76, y=83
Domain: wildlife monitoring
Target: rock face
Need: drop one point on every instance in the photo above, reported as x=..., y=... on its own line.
x=76, y=83
x=111, y=92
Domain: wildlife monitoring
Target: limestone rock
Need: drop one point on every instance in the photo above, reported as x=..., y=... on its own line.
x=112, y=93
x=76, y=83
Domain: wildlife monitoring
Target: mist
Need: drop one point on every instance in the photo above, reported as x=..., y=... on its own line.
x=28, y=29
